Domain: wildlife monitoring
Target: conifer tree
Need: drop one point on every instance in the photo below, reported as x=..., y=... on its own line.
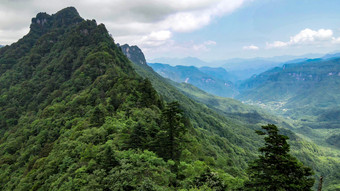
x=171, y=136
x=276, y=169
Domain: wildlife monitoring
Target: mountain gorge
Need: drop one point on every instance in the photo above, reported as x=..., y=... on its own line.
x=77, y=114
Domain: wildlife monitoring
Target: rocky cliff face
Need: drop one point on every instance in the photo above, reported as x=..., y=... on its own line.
x=134, y=53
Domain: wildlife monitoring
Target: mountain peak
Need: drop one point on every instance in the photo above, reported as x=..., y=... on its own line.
x=63, y=18
x=68, y=13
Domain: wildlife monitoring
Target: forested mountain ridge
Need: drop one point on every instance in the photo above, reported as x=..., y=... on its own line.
x=72, y=109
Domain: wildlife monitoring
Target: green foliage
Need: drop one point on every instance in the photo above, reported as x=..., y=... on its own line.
x=276, y=169
x=210, y=180
x=171, y=137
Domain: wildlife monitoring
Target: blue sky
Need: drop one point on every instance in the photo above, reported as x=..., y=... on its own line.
x=260, y=23
x=207, y=29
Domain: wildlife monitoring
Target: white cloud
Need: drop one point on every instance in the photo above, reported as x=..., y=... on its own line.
x=203, y=46
x=141, y=22
x=277, y=44
x=336, y=40
x=10, y=36
x=250, y=47
x=156, y=38
x=180, y=49
x=306, y=37
x=210, y=42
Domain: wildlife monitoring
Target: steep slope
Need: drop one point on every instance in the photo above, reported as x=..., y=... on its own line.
x=236, y=123
x=197, y=77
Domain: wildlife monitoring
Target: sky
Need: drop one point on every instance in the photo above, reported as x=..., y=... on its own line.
x=206, y=29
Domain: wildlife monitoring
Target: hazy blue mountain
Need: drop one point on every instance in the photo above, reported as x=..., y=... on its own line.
x=204, y=78
x=187, y=61
x=239, y=68
x=331, y=55
x=219, y=72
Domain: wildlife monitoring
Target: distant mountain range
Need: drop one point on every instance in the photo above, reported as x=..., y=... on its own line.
x=302, y=89
x=212, y=80
x=238, y=76
x=187, y=61
x=239, y=68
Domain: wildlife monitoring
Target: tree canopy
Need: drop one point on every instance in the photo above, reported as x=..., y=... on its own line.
x=276, y=169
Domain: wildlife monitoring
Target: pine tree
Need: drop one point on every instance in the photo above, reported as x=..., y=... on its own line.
x=171, y=136
x=276, y=169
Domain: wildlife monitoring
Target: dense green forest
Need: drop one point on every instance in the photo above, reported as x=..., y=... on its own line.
x=76, y=114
